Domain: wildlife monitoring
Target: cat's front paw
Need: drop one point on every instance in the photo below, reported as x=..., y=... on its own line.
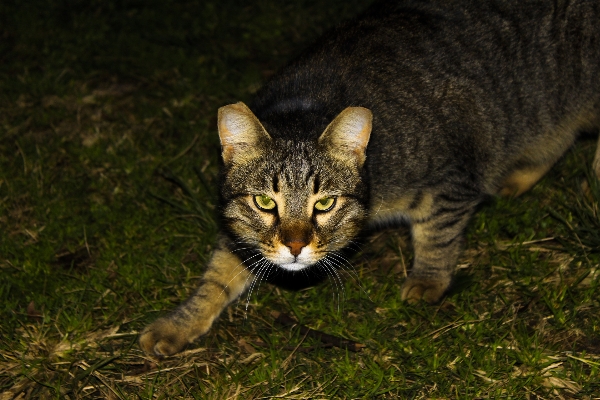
x=416, y=289
x=164, y=337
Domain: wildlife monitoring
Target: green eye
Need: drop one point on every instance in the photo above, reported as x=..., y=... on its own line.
x=264, y=202
x=325, y=204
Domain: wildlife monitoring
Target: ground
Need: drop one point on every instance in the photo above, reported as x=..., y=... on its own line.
x=108, y=163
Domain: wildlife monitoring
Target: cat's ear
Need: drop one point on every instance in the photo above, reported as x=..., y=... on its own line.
x=240, y=132
x=347, y=136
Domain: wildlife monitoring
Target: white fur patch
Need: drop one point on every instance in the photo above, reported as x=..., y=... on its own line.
x=284, y=258
x=293, y=266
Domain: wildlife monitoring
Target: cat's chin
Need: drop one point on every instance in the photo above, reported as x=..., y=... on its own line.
x=294, y=266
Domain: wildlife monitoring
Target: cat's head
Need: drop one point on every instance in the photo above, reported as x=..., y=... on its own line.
x=295, y=201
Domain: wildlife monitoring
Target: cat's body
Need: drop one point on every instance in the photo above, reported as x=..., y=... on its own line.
x=451, y=101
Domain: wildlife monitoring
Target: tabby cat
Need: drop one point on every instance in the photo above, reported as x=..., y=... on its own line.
x=414, y=112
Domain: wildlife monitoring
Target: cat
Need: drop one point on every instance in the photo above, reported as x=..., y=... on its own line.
x=414, y=112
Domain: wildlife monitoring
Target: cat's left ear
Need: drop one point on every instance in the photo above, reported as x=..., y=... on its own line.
x=240, y=133
x=347, y=136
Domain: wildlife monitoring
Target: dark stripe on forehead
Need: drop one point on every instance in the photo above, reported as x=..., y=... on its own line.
x=276, y=183
x=309, y=175
x=296, y=173
x=316, y=184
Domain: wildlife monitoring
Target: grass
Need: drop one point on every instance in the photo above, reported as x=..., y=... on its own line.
x=108, y=162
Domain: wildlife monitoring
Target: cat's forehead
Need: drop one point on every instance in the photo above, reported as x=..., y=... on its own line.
x=298, y=168
x=294, y=164
x=282, y=166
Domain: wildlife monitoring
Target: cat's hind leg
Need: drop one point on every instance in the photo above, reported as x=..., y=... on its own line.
x=596, y=162
x=225, y=280
x=595, y=126
x=437, y=242
x=537, y=157
x=521, y=180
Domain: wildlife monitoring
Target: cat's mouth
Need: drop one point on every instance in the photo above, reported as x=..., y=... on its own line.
x=286, y=260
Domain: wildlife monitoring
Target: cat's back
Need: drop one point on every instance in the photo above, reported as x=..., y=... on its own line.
x=455, y=86
x=398, y=52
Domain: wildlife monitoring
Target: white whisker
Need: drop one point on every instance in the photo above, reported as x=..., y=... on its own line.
x=336, y=278
x=266, y=274
x=331, y=281
x=352, y=271
x=241, y=270
x=263, y=262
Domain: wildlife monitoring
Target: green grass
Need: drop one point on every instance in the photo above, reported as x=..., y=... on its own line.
x=108, y=163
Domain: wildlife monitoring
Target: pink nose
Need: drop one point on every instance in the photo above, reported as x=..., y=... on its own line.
x=295, y=246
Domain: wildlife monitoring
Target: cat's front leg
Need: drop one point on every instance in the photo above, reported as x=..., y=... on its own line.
x=225, y=280
x=437, y=242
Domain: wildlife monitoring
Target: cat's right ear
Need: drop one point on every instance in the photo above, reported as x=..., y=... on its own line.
x=240, y=131
x=347, y=136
